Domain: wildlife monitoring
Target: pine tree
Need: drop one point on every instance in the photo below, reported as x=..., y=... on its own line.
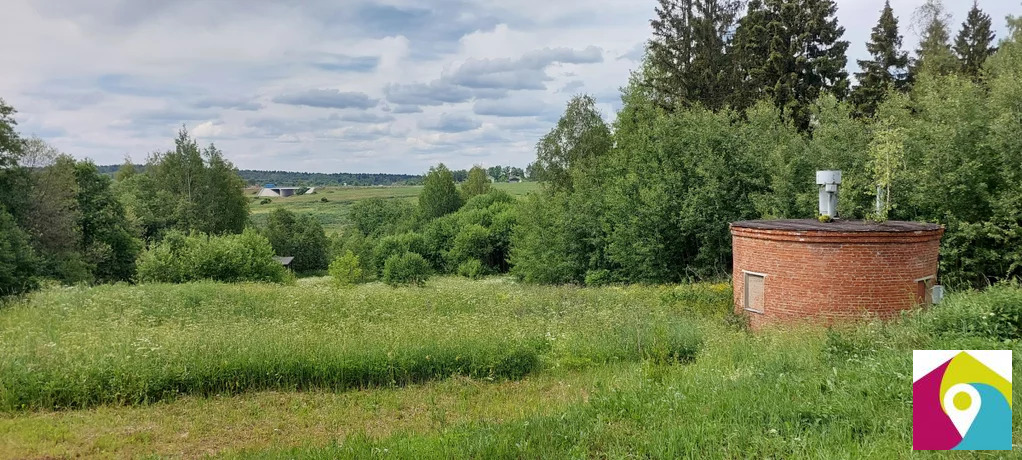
x=934, y=55
x=689, y=52
x=806, y=56
x=887, y=68
x=973, y=42
x=750, y=51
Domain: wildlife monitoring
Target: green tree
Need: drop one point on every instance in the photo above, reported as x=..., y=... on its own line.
x=576, y=145
x=346, y=270
x=887, y=68
x=379, y=216
x=806, y=56
x=974, y=43
x=17, y=260
x=299, y=236
x=477, y=183
x=12, y=175
x=186, y=189
x=109, y=241
x=750, y=52
x=688, y=52
x=53, y=219
x=934, y=54
x=439, y=195
x=887, y=155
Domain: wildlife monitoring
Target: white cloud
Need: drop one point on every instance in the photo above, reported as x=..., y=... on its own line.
x=458, y=81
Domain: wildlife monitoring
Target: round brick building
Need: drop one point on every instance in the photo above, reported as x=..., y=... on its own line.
x=789, y=270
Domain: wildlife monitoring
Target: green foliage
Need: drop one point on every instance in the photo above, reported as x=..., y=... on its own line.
x=359, y=245
x=299, y=236
x=477, y=183
x=186, y=189
x=887, y=67
x=576, y=144
x=347, y=270
x=108, y=240
x=265, y=201
x=472, y=269
x=439, y=195
x=229, y=258
x=887, y=152
x=934, y=55
x=394, y=245
x=404, y=269
x=12, y=175
x=974, y=43
x=17, y=260
x=378, y=216
x=688, y=57
x=778, y=33
x=599, y=277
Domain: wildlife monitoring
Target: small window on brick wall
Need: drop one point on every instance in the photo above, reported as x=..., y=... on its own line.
x=754, y=291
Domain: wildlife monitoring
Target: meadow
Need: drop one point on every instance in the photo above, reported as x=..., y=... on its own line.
x=459, y=368
x=333, y=213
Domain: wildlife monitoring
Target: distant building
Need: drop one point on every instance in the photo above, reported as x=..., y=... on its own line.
x=285, y=261
x=272, y=190
x=514, y=179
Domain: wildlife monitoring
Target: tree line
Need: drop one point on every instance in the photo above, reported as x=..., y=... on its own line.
x=719, y=126
x=726, y=119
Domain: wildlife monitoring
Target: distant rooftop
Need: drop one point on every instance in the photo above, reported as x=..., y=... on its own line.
x=838, y=225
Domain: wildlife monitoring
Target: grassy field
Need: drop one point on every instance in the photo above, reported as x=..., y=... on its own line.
x=458, y=368
x=333, y=214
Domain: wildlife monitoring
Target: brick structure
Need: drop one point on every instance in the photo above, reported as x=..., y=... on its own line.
x=788, y=270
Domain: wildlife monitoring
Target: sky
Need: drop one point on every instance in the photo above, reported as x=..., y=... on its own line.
x=337, y=85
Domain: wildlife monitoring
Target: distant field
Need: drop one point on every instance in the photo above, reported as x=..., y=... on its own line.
x=333, y=214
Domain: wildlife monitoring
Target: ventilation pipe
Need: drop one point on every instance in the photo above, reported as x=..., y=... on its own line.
x=828, y=182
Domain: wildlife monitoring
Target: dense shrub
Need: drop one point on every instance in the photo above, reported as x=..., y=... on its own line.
x=407, y=268
x=17, y=260
x=358, y=244
x=179, y=258
x=472, y=243
x=346, y=270
x=299, y=236
x=378, y=216
x=472, y=268
x=392, y=245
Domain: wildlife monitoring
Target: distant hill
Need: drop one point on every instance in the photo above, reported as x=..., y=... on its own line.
x=289, y=178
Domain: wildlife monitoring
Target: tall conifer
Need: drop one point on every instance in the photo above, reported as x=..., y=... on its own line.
x=887, y=68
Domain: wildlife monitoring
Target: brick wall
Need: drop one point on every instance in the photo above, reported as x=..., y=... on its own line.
x=828, y=276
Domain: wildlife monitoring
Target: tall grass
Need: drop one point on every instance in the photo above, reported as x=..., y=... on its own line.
x=807, y=392
x=79, y=347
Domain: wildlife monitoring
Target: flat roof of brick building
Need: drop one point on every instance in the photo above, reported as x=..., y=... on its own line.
x=837, y=225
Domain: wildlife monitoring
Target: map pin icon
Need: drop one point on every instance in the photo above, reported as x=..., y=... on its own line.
x=962, y=418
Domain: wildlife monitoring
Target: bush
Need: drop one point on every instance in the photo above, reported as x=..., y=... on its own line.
x=408, y=268
x=378, y=216
x=265, y=201
x=600, y=277
x=17, y=260
x=472, y=269
x=396, y=245
x=346, y=270
x=472, y=242
x=300, y=236
x=229, y=258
